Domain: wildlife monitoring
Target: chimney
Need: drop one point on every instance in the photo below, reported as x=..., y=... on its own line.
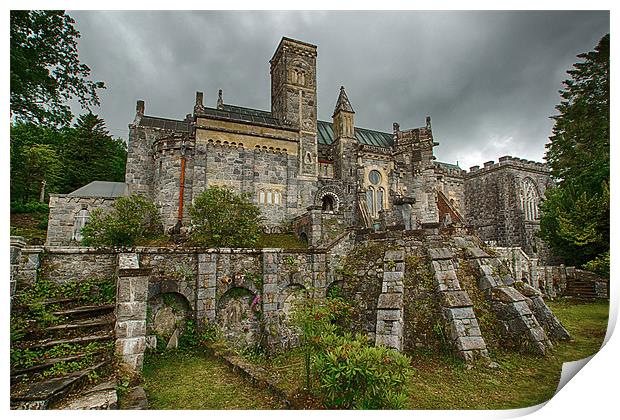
x=220, y=100
x=428, y=122
x=395, y=127
x=140, y=107
x=198, y=107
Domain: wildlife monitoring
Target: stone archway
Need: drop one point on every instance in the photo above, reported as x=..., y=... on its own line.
x=167, y=315
x=237, y=316
x=328, y=203
x=329, y=198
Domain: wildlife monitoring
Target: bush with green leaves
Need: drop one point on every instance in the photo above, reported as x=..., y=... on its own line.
x=351, y=373
x=348, y=372
x=131, y=221
x=222, y=218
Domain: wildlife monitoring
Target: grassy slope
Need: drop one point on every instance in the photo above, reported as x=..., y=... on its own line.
x=202, y=382
x=521, y=381
x=196, y=381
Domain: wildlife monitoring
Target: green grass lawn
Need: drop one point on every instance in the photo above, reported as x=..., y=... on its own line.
x=197, y=381
x=522, y=380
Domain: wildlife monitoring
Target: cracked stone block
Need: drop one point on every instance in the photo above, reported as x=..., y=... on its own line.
x=390, y=301
x=487, y=282
x=440, y=254
x=470, y=343
x=458, y=313
x=455, y=299
x=394, y=255
x=506, y=294
x=389, y=315
x=127, y=261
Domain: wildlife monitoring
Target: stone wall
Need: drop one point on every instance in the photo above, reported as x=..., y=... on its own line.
x=62, y=216
x=493, y=207
x=551, y=281
x=63, y=264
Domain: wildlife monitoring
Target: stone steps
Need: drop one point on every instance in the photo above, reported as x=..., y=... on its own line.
x=82, y=325
x=75, y=340
x=19, y=374
x=44, y=394
x=85, y=311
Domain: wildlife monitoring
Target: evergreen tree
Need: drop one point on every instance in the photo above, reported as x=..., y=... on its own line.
x=575, y=221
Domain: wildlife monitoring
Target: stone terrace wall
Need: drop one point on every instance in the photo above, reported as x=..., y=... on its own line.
x=249, y=293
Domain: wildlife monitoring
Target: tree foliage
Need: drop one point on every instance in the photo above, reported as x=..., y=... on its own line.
x=575, y=220
x=222, y=218
x=131, y=221
x=66, y=158
x=45, y=68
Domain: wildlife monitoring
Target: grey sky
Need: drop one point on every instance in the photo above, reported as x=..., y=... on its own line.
x=489, y=80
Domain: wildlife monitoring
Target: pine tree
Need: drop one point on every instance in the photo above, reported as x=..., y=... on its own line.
x=575, y=219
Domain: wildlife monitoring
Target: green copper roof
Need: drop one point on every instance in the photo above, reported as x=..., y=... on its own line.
x=325, y=134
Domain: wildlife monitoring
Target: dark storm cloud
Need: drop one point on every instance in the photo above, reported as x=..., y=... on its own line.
x=488, y=79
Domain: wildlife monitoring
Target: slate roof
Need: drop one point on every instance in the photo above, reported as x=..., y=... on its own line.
x=242, y=114
x=325, y=134
x=101, y=189
x=165, y=123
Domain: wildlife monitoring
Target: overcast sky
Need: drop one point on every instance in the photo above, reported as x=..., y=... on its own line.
x=489, y=80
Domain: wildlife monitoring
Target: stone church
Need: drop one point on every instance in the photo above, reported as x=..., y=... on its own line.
x=320, y=177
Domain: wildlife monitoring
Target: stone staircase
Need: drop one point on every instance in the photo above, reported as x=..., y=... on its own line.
x=53, y=366
x=581, y=289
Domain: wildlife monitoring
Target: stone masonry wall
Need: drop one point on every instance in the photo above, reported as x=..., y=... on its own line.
x=63, y=209
x=492, y=203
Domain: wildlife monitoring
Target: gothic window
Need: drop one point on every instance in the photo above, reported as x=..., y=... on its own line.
x=370, y=200
x=261, y=197
x=276, y=198
x=308, y=158
x=380, y=199
x=80, y=220
x=269, y=197
x=528, y=199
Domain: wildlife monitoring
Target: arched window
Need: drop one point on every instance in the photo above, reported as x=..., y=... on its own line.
x=261, y=197
x=375, y=195
x=276, y=198
x=269, y=197
x=528, y=199
x=80, y=220
x=370, y=200
x=380, y=199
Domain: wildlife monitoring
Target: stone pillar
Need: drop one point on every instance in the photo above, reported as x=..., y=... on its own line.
x=534, y=281
x=390, y=311
x=28, y=264
x=131, y=301
x=271, y=259
x=462, y=328
x=205, y=290
x=314, y=233
x=17, y=244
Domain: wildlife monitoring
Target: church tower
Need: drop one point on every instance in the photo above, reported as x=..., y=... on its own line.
x=293, y=97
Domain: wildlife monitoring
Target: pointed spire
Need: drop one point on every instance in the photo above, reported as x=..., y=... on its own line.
x=343, y=103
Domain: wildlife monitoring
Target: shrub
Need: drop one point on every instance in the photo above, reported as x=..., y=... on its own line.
x=131, y=221
x=599, y=265
x=222, y=218
x=353, y=374
x=29, y=207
